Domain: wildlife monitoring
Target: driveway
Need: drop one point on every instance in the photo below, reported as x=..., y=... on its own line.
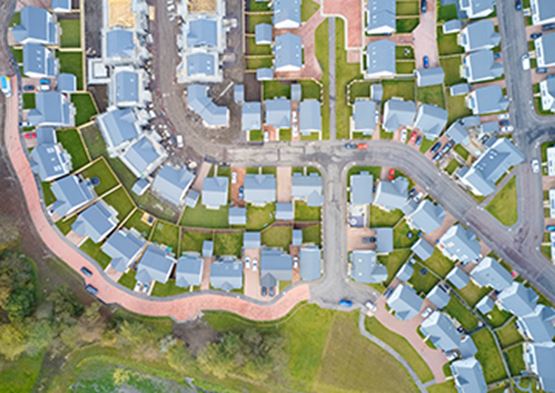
x=425, y=37
x=202, y=172
x=241, y=172
x=351, y=12
x=283, y=184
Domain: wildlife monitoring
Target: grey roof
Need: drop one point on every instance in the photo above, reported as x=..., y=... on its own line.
x=49, y=160
x=459, y=89
x=398, y=113
x=488, y=99
x=201, y=64
x=227, y=274
x=308, y=188
x=155, y=265
x=469, y=377
x=199, y=102
x=287, y=13
x=263, y=33
x=490, y=127
x=452, y=26
x=125, y=87
x=405, y=272
x=237, y=216
x=427, y=217
x=491, y=273
x=518, y=299
x=52, y=109
x=171, y=183
x=381, y=16
x=46, y=135
x=380, y=58
x=468, y=347
x=191, y=198
x=189, y=270
x=310, y=116
x=366, y=268
x=460, y=244
x=362, y=188
x=543, y=11
x=285, y=211
x=251, y=240
x=202, y=32
x=278, y=113
x=71, y=193
x=392, y=195
x=143, y=156
x=439, y=297
x=96, y=222
x=207, y=248
x=309, y=263
x=481, y=66
x=36, y=26
x=441, y=331
x=264, y=74
x=120, y=44
x=251, y=116
x=423, y=249
x=539, y=359
x=296, y=92
x=545, y=50
x=365, y=116
x=431, y=120
x=61, y=5
x=276, y=263
x=376, y=92
x=429, y=76
x=479, y=35
x=66, y=83
x=485, y=305
x=539, y=325
x=215, y=191
x=458, y=277
x=405, y=302
x=260, y=189
x=39, y=61
x=239, y=94
x=491, y=165
x=384, y=240
x=458, y=134
x=297, y=237
x=124, y=247
x=477, y=8
x=118, y=126
x=288, y=52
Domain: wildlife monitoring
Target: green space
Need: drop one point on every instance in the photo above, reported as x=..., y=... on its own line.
x=403, y=236
x=64, y=225
x=497, y=317
x=276, y=89
x=515, y=360
x=393, y=262
x=504, y=205
x=256, y=136
x=488, y=356
x=445, y=387
x=458, y=311
x=405, y=67
x=167, y=234
x=84, y=106
x=22, y=374
x=451, y=66
x=452, y=166
x=285, y=134
x=407, y=8
x=462, y=152
x=472, y=293
x=229, y=243
x=359, y=89
x=432, y=95
x=456, y=107
x=399, y=88
x=119, y=200
x=446, y=12
x=128, y=279
x=303, y=212
x=48, y=195
x=277, y=236
x=426, y=145
x=423, y=280
x=28, y=100
x=381, y=218
x=168, y=289
x=256, y=62
x=255, y=19
x=71, y=141
x=94, y=251
x=200, y=216
x=100, y=171
x=407, y=25
x=136, y=222
x=71, y=33
x=404, y=52
x=311, y=89
x=254, y=49
x=72, y=63
x=17, y=55
x=508, y=335
x=322, y=54
x=258, y=6
x=308, y=8
x=357, y=169
x=192, y=241
x=447, y=43
x=312, y=234
x=259, y=217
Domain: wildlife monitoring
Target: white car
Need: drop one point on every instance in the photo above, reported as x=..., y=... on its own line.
x=404, y=135
x=179, y=140
x=254, y=265
x=370, y=306
x=266, y=136
x=426, y=313
x=535, y=166
x=247, y=263
x=507, y=129
x=295, y=262
x=233, y=177
x=525, y=59
x=503, y=116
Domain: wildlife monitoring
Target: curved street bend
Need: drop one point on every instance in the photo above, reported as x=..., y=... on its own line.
x=518, y=245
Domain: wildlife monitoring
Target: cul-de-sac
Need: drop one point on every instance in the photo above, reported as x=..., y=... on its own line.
x=297, y=196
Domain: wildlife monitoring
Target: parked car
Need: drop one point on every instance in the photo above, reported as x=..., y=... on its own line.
x=541, y=70
x=435, y=147
x=241, y=192
x=350, y=146
x=535, y=166
x=507, y=128
x=362, y=146
x=28, y=88
x=549, y=26
x=423, y=6
x=534, y=36
x=518, y=5
x=497, y=55
x=391, y=174
x=247, y=263
x=503, y=116
x=272, y=291
x=86, y=272
x=233, y=177
x=255, y=265
x=437, y=157
x=369, y=240
x=295, y=262
x=44, y=81
x=179, y=141
x=504, y=123
x=263, y=291
x=404, y=135
x=413, y=136
x=426, y=313
x=525, y=61
x=550, y=228
x=418, y=141
x=426, y=61
x=370, y=306
x=92, y=290
x=30, y=135
x=345, y=303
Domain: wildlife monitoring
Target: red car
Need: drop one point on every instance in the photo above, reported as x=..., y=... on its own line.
x=391, y=174
x=30, y=135
x=413, y=137
x=362, y=146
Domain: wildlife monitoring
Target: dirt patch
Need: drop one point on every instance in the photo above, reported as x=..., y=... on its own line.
x=196, y=334
x=202, y=5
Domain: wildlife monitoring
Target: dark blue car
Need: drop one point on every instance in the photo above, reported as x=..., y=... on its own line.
x=426, y=61
x=423, y=6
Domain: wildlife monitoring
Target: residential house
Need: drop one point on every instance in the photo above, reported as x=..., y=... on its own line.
x=380, y=59
x=405, y=302
x=429, y=76
x=251, y=116
x=227, y=274
x=278, y=113
x=365, y=116
x=285, y=211
x=308, y=189
x=539, y=359
x=199, y=67
x=545, y=50
x=237, y=216
x=458, y=277
x=287, y=14
x=39, y=62
x=288, y=53
x=189, y=270
x=423, y=249
x=53, y=109
x=490, y=273
x=275, y=266
x=171, y=183
x=119, y=46
x=460, y=244
x=60, y=6
x=36, y=26
x=547, y=93
x=123, y=247
x=212, y=115
x=479, y=35
x=264, y=74
x=259, y=189
x=392, y=195
x=431, y=120
x=460, y=89
x=539, y=325
x=439, y=297
x=251, y=240
x=119, y=128
x=310, y=117
x=263, y=34
x=488, y=99
x=405, y=272
x=96, y=222
x=475, y=9
x=427, y=217
x=144, y=156
x=366, y=268
x=485, y=305
x=481, y=66
x=155, y=265
x=441, y=332
x=468, y=375
x=398, y=113
x=71, y=194
x=215, y=191
x=66, y=83
x=543, y=11
x=49, y=160
x=458, y=134
x=310, y=261
x=126, y=88
x=362, y=188
x=518, y=299
x=384, y=240
x=381, y=17
x=452, y=26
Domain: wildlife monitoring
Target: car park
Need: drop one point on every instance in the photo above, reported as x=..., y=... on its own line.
x=437, y=157
x=507, y=128
x=28, y=88
x=426, y=313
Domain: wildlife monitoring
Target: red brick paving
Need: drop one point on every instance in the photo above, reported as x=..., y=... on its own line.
x=352, y=13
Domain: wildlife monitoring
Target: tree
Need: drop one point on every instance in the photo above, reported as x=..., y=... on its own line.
x=65, y=308
x=9, y=234
x=17, y=285
x=12, y=341
x=39, y=336
x=179, y=358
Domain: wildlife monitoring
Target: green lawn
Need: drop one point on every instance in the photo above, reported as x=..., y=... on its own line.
x=312, y=234
x=167, y=234
x=445, y=387
x=255, y=19
x=399, y=88
x=120, y=201
x=497, y=317
x=488, y=356
x=254, y=49
x=462, y=152
x=508, y=335
x=260, y=217
x=405, y=67
x=308, y=9
x=401, y=235
x=18, y=55
x=393, y=261
x=128, y=279
x=515, y=359
x=451, y=66
x=447, y=12
x=322, y=54
x=447, y=44
x=473, y=293
x=423, y=280
x=256, y=136
x=275, y=89
x=306, y=213
x=439, y=263
x=228, y=243
x=431, y=95
x=101, y=171
x=456, y=108
x=94, y=141
x=168, y=289
x=404, y=52
x=47, y=193
x=72, y=63
x=71, y=141
x=504, y=205
x=135, y=221
x=381, y=218
x=407, y=25
x=65, y=225
x=277, y=236
x=452, y=166
x=84, y=106
x=22, y=374
x=94, y=251
x=254, y=63
x=192, y=241
x=357, y=169
x=457, y=310
x=71, y=33
x=200, y=216
x=28, y=100
x=407, y=8
x=311, y=89
x=254, y=5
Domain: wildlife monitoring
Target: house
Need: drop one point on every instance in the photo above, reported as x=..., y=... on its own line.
x=227, y=274
x=264, y=74
x=212, y=115
x=96, y=222
x=66, y=83
x=392, y=195
x=53, y=109
x=518, y=299
x=156, y=265
x=263, y=34
x=297, y=237
x=485, y=304
x=431, y=120
x=427, y=217
x=429, y=76
x=479, y=35
x=441, y=332
x=199, y=67
x=251, y=240
x=278, y=113
x=237, y=216
x=460, y=244
x=539, y=359
x=380, y=16
x=468, y=375
x=71, y=193
x=439, y=297
x=60, y=6
x=39, y=62
x=458, y=277
x=366, y=268
x=287, y=14
x=477, y=8
x=288, y=53
x=119, y=128
x=207, y=248
x=144, y=156
x=543, y=12
x=215, y=192
x=398, y=113
x=275, y=266
x=488, y=99
x=171, y=183
x=547, y=92
x=126, y=88
x=310, y=117
x=384, y=240
x=285, y=211
x=481, y=66
x=423, y=249
x=376, y=92
x=202, y=32
x=188, y=271
x=36, y=26
x=380, y=60
x=538, y=326
x=310, y=260
x=308, y=189
x=251, y=116
x=123, y=247
x=259, y=189
x=545, y=50
x=362, y=188
x=49, y=160
x=458, y=134
x=405, y=272
x=405, y=302
x=119, y=46
x=490, y=273
x=365, y=116
x=296, y=92
x=484, y=173
x=460, y=89
x=452, y=26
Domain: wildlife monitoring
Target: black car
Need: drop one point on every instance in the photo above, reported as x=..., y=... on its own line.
x=534, y=36
x=435, y=147
x=437, y=157
x=350, y=146
x=541, y=70
x=518, y=5
x=264, y=291
x=504, y=123
x=86, y=272
x=549, y=26
x=92, y=290
x=423, y=6
x=272, y=291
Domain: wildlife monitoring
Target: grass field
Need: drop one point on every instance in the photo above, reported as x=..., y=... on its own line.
x=21, y=375
x=488, y=356
x=504, y=205
x=277, y=236
x=94, y=251
x=423, y=280
x=515, y=359
x=192, y=241
x=322, y=54
x=84, y=107
x=259, y=218
x=452, y=166
x=228, y=243
x=168, y=289
x=439, y=263
x=399, y=88
x=432, y=95
x=403, y=236
x=382, y=218
x=312, y=234
x=393, y=261
x=303, y=212
x=28, y=100
x=71, y=33
x=167, y=234
x=508, y=335
x=120, y=201
x=71, y=141
x=457, y=310
x=473, y=293
x=308, y=9
x=136, y=222
x=200, y=216
x=101, y=171
x=72, y=63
